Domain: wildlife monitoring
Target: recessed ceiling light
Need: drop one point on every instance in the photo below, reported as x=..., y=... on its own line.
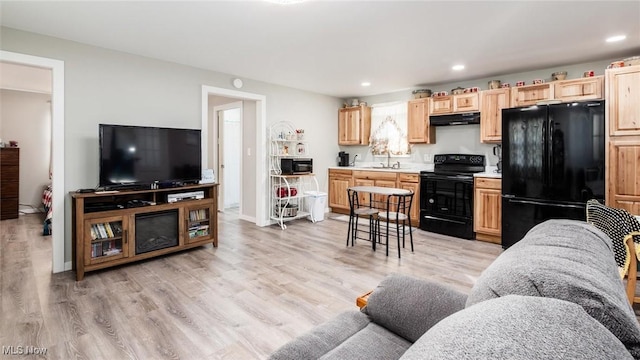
x=285, y=2
x=616, y=38
x=366, y=83
x=458, y=67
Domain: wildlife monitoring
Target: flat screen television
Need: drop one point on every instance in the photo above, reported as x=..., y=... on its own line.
x=139, y=155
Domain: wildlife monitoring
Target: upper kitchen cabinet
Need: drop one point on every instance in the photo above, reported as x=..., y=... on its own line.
x=493, y=101
x=442, y=105
x=531, y=94
x=354, y=125
x=622, y=95
x=419, y=129
x=579, y=89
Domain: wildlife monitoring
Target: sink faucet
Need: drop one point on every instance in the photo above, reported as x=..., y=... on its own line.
x=353, y=163
x=396, y=165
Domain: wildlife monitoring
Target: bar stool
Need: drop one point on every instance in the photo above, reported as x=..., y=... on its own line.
x=398, y=212
x=355, y=213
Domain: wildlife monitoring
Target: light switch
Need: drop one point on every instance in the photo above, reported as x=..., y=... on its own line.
x=248, y=151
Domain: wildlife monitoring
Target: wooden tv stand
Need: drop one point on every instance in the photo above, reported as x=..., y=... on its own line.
x=104, y=225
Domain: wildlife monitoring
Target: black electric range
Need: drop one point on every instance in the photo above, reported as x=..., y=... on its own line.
x=446, y=194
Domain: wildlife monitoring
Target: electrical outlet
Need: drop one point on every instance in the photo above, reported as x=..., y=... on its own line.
x=428, y=158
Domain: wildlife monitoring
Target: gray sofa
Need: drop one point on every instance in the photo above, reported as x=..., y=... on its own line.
x=556, y=294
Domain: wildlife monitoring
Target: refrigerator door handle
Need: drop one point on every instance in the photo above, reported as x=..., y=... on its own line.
x=531, y=202
x=550, y=150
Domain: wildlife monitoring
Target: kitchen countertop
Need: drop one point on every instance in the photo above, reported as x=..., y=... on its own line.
x=404, y=168
x=489, y=172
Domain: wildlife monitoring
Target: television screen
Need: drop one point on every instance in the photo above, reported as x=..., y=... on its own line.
x=142, y=155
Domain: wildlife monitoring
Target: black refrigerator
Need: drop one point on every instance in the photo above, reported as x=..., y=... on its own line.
x=553, y=162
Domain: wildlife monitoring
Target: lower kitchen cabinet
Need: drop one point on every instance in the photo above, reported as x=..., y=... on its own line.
x=412, y=182
x=623, y=184
x=487, y=216
x=339, y=182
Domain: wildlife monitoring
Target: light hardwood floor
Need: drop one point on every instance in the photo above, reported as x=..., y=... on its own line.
x=259, y=289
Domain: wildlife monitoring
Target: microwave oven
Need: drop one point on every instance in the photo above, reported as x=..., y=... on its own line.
x=290, y=166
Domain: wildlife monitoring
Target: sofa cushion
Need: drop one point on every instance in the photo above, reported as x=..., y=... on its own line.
x=372, y=342
x=568, y=260
x=409, y=306
x=519, y=327
x=323, y=338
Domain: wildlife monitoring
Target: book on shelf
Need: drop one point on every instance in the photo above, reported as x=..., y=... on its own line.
x=196, y=215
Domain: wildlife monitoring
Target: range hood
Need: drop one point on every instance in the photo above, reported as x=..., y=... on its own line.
x=455, y=119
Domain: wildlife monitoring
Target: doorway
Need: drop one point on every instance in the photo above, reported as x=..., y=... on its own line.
x=254, y=178
x=228, y=122
x=57, y=150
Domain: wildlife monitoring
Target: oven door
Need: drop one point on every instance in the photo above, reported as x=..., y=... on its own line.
x=446, y=204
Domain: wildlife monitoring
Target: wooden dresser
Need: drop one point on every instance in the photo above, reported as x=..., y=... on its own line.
x=9, y=178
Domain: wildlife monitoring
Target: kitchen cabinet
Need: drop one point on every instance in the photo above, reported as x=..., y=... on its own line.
x=493, y=101
x=354, y=125
x=487, y=214
x=531, y=94
x=419, y=129
x=623, y=107
x=339, y=181
x=622, y=112
x=374, y=178
x=412, y=182
x=578, y=89
x=623, y=180
x=443, y=105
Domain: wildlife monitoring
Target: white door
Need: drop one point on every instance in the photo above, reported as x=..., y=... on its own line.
x=229, y=156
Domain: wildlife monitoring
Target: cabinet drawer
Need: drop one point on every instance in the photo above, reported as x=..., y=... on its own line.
x=403, y=177
x=9, y=156
x=9, y=173
x=9, y=189
x=340, y=173
x=466, y=102
x=488, y=183
x=374, y=175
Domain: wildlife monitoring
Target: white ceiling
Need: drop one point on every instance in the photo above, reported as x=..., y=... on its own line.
x=330, y=47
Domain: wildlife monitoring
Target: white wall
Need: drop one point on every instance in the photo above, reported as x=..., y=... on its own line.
x=26, y=118
x=105, y=86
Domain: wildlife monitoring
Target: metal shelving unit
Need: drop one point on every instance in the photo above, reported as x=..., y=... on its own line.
x=288, y=198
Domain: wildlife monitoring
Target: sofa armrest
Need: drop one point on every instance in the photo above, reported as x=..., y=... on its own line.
x=409, y=307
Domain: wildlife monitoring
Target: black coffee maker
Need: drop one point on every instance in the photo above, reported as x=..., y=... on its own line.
x=343, y=158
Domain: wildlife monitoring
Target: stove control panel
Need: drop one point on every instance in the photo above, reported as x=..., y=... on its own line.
x=459, y=159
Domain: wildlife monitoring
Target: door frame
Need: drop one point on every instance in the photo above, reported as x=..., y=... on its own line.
x=57, y=150
x=218, y=150
x=259, y=146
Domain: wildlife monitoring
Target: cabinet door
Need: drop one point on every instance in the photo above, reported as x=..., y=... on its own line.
x=623, y=107
x=338, y=196
x=419, y=129
x=106, y=239
x=579, y=89
x=466, y=102
x=365, y=199
x=531, y=94
x=381, y=200
x=198, y=223
x=488, y=216
x=623, y=182
x=349, y=126
x=415, y=205
x=493, y=101
x=441, y=105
